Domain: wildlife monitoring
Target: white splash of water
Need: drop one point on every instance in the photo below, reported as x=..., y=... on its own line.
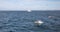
x=39, y=22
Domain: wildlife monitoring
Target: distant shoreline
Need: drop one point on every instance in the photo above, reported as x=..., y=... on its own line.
x=31, y=10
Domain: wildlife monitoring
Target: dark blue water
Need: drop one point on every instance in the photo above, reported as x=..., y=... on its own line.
x=23, y=21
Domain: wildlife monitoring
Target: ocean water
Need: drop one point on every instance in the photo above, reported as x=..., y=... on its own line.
x=23, y=21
